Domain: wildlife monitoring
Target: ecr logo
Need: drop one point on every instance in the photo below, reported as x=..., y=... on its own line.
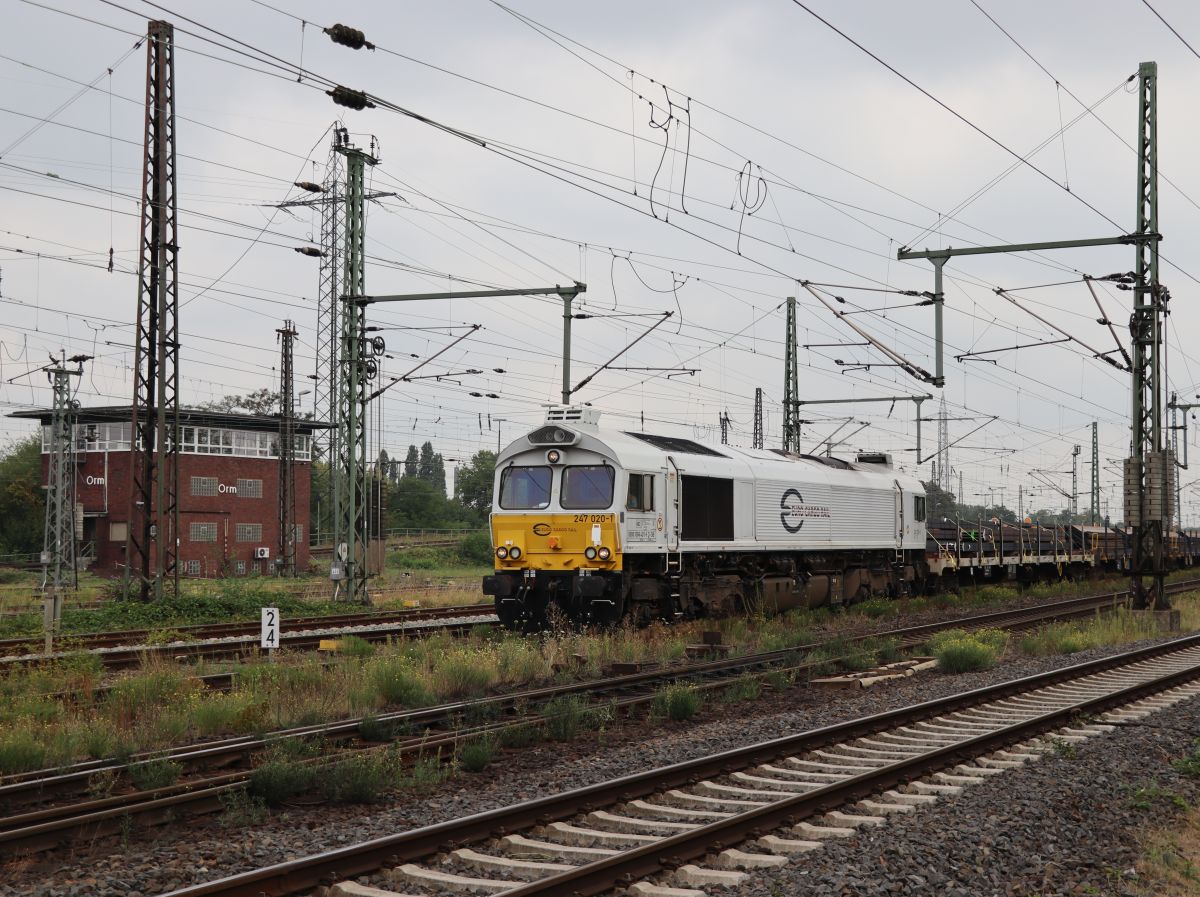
x=541, y=529
x=790, y=503
x=793, y=510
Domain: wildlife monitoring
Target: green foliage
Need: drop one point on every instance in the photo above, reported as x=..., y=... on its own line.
x=745, y=688
x=22, y=503
x=281, y=776
x=1189, y=765
x=476, y=548
x=157, y=773
x=260, y=401
x=963, y=653
x=398, y=683
x=1145, y=796
x=359, y=779
x=565, y=716
x=677, y=702
x=355, y=646
x=21, y=751
x=473, y=483
x=476, y=755
x=239, y=809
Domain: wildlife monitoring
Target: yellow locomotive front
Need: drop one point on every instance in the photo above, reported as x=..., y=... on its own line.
x=556, y=532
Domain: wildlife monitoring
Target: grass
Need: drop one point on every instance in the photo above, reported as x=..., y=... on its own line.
x=157, y=773
x=958, y=651
x=162, y=705
x=677, y=702
x=477, y=755
x=1114, y=628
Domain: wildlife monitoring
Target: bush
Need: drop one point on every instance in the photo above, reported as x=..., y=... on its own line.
x=476, y=549
x=20, y=751
x=398, y=683
x=157, y=773
x=565, y=716
x=677, y=702
x=477, y=755
x=745, y=688
x=279, y=779
x=355, y=646
x=372, y=728
x=963, y=655
x=360, y=779
x=465, y=675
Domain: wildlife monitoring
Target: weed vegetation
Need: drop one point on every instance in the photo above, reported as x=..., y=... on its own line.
x=677, y=702
x=958, y=651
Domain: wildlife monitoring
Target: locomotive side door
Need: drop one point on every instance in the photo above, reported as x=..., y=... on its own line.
x=673, y=506
x=899, y=518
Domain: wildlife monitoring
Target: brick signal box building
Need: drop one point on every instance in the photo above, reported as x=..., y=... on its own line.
x=228, y=489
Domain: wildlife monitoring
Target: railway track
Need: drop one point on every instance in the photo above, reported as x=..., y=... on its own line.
x=121, y=650
x=198, y=632
x=686, y=829
x=44, y=809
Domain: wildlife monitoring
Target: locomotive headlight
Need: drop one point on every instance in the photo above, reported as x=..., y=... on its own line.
x=514, y=553
x=604, y=553
x=590, y=552
x=554, y=456
x=502, y=552
x=560, y=436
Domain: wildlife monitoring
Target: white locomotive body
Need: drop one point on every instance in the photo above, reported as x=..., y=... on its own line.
x=606, y=523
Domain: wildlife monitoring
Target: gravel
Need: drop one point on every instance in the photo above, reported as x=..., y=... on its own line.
x=1020, y=830
x=1065, y=824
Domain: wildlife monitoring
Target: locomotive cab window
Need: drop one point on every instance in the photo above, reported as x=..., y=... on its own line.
x=641, y=492
x=587, y=487
x=525, y=488
x=919, y=508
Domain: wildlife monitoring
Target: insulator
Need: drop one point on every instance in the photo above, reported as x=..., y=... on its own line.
x=352, y=99
x=309, y=250
x=477, y=395
x=348, y=37
x=310, y=186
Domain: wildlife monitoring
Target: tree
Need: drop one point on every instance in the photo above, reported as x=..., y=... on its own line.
x=939, y=502
x=22, y=499
x=411, y=462
x=431, y=467
x=260, y=401
x=473, y=485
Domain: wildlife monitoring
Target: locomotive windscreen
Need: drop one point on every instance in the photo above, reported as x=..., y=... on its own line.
x=707, y=509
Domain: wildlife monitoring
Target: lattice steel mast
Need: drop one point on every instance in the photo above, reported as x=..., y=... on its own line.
x=1148, y=470
x=151, y=545
x=58, y=540
x=1095, y=473
x=791, y=383
x=328, y=377
x=356, y=369
x=758, y=417
x=287, y=452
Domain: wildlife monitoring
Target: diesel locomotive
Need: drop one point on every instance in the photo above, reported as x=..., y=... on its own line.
x=605, y=524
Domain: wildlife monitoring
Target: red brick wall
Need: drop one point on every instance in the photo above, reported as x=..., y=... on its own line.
x=112, y=484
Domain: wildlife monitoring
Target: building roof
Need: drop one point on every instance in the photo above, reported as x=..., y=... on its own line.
x=188, y=417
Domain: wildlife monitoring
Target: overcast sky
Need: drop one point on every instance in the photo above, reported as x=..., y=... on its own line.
x=801, y=158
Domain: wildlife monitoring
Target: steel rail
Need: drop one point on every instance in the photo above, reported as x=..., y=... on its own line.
x=309, y=872
x=199, y=631
x=45, y=828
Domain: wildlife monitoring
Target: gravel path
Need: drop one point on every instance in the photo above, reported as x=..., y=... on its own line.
x=1010, y=826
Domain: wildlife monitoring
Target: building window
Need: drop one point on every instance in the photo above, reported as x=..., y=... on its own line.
x=249, y=488
x=203, y=532
x=249, y=532
x=118, y=531
x=239, y=567
x=298, y=531
x=204, y=485
x=191, y=568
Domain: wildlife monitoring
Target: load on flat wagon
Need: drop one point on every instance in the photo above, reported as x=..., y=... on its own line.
x=601, y=524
